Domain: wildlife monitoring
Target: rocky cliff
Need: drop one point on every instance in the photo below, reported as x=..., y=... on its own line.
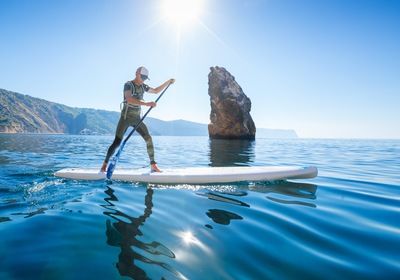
x=25, y=114
x=230, y=107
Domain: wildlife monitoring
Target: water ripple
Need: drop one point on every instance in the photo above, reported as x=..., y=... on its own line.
x=341, y=225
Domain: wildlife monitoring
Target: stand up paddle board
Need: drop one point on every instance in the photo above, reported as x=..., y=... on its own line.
x=195, y=175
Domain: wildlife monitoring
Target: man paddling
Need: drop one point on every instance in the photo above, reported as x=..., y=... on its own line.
x=130, y=114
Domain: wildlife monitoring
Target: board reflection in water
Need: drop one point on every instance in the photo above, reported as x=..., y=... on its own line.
x=231, y=152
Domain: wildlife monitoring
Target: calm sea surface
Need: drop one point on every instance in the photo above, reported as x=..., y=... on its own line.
x=344, y=224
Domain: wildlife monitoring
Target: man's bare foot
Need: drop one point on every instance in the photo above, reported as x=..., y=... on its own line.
x=104, y=167
x=154, y=168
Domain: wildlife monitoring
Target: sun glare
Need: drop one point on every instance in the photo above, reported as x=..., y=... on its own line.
x=188, y=237
x=182, y=11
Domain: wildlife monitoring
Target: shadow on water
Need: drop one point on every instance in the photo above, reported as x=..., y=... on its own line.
x=288, y=190
x=289, y=193
x=231, y=152
x=123, y=234
x=221, y=216
x=222, y=198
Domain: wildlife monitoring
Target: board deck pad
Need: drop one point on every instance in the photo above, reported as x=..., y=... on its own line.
x=195, y=175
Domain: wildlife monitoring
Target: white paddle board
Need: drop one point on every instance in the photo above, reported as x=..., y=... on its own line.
x=195, y=175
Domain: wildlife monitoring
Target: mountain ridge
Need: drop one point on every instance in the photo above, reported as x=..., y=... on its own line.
x=21, y=113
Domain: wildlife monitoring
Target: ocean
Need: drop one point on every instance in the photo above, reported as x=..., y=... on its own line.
x=343, y=224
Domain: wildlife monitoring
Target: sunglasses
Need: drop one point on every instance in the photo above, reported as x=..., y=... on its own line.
x=143, y=77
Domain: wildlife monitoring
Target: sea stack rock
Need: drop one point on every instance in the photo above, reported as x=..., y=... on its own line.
x=230, y=107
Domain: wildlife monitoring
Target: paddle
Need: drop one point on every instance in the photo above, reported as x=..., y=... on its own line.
x=114, y=161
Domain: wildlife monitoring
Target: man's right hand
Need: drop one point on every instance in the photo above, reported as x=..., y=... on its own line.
x=151, y=104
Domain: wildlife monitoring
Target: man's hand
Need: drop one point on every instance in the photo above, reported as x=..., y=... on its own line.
x=151, y=104
x=171, y=81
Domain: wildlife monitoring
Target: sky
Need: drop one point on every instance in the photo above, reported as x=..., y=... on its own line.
x=325, y=68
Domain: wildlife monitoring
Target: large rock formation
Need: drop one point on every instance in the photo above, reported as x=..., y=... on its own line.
x=230, y=107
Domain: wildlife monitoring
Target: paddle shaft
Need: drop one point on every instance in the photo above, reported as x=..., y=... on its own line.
x=113, y=163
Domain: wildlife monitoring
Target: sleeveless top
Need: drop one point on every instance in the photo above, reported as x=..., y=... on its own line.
x=137, y=92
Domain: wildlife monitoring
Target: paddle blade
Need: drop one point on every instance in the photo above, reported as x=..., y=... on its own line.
x=111, y=168
x=114, y=162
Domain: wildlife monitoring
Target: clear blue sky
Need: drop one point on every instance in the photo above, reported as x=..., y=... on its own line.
x=326, y=68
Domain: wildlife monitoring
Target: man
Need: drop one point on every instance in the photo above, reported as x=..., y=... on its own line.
x=130, y=114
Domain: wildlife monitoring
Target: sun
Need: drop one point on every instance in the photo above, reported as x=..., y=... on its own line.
x=182, y=12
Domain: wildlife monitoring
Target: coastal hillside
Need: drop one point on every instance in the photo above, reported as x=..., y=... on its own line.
x=25, y=114
x=21, y=113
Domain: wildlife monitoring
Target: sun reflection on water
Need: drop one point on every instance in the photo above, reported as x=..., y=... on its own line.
x=188, y=237
x=190, y=240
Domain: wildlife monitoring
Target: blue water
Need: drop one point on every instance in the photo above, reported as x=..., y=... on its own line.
x=344, y=224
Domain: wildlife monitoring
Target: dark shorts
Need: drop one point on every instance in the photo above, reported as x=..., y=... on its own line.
x=131, y=118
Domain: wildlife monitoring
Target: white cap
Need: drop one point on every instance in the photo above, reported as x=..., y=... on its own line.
x=144, y=71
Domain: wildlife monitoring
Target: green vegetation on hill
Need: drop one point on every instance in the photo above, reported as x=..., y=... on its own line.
x=25, y=114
